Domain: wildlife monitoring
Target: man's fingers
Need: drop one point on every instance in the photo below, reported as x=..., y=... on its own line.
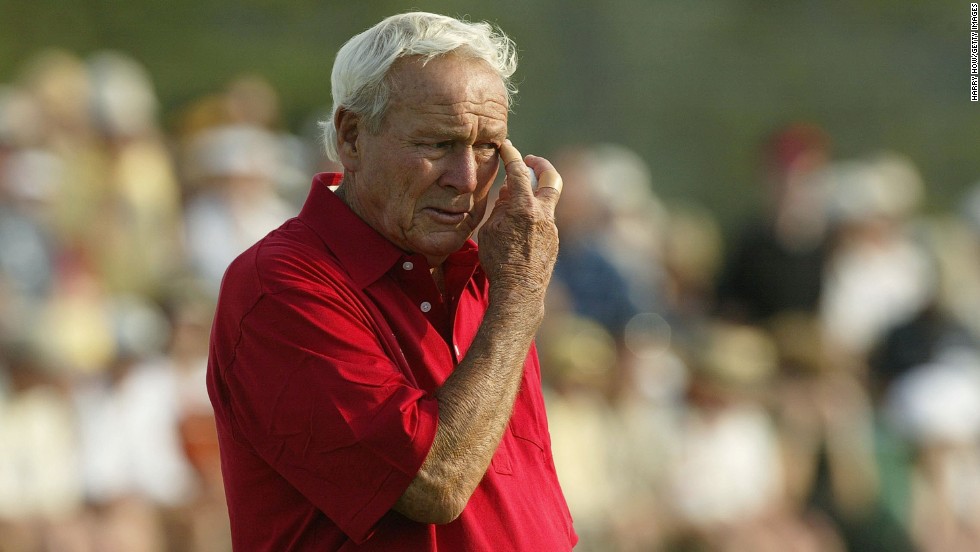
x=519, y=175
x=549, y=181
x=518, y=181
x=508, y=153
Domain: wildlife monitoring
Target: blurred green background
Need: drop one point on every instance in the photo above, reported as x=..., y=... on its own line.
x=691, y=86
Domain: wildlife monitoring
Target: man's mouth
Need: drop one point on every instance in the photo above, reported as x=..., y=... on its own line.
x=446, y=216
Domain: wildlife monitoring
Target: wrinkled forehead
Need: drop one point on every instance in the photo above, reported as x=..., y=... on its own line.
x=452, y=84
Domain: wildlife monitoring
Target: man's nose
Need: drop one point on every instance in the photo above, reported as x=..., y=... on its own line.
x=461, y=173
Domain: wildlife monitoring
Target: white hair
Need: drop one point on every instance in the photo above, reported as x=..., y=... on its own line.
x=359, y=79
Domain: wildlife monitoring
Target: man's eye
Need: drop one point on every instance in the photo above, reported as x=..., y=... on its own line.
x=443, y=145
x=486, y=151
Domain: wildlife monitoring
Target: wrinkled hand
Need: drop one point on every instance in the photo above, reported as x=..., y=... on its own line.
x=519, y=241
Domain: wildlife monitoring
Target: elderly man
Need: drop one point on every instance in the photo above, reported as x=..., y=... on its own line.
x=373, y=373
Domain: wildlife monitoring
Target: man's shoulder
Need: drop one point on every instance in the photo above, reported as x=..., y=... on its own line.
x=292, y=256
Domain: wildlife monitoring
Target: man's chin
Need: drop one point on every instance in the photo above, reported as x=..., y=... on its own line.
x=443, y=244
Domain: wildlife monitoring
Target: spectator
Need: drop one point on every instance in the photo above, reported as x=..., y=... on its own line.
x=877, y=275
x=235, y=168
x=776, y=263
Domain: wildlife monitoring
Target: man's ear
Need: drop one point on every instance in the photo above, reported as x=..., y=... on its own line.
x=348, y=125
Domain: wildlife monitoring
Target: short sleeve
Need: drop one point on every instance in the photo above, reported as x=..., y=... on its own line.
x=313, y=392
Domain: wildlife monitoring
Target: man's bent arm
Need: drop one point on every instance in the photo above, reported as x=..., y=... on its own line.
x=518, y=246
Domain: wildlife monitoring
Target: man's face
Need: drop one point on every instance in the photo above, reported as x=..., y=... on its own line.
x=422, y=181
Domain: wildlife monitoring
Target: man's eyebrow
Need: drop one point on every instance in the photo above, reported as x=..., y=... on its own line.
x=449, y=132
x=495, y=133
x=438, y=131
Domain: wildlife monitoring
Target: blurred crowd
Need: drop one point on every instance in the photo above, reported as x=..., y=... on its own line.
x=114, y=235
x=808, y=382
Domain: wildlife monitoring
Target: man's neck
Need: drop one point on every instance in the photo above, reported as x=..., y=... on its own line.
x=439, y=277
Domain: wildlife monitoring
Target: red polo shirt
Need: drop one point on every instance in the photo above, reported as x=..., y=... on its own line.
x=327, y=348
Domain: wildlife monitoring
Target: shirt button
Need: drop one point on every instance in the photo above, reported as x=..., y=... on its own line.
x=407, y=265
x=425, y=306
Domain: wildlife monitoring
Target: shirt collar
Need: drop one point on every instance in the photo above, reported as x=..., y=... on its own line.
x=365, y=254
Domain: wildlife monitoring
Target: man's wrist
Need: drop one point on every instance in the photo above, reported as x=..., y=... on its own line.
x=516, y=308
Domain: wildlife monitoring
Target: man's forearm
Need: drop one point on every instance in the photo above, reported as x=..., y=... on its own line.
x=475, y=405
